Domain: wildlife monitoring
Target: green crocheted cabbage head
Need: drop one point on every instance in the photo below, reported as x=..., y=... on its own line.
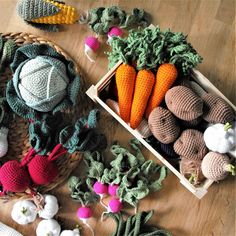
x=43, y=81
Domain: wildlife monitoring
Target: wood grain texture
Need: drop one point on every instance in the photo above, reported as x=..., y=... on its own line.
x=210, y=25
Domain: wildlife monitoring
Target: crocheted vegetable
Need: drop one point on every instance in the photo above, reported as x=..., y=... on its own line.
x=165, y=77
x=50, y=207
x=14, y=177
x=163, y=125
x=114, y=32
x=125, y=82
x=112, y=189
x=216, y=166
x=24, y=212
x=40, y=12
x=115, y=205
x=48, y=227
x=191, y=123
x=49, y=85
x=220, y=138
x=143, y=88
x=142, y=129
x=100, y=188
x=91, y=45
x=184, y=103
x=153, y=47
x=7, y=230
x=84, y=213
x=136, y=225
x=74, y=232
x=191, y=145
x=191, y=169
x=3, y=141
x=216, y=110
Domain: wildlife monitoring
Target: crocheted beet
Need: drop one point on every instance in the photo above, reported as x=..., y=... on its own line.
x=184, y=103
x=163, y=125
x=191, y=145
x=14, y=177
x=216, y=110
x=216, y=166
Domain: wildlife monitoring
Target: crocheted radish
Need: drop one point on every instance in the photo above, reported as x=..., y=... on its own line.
x=48, y=227
x=3, y=141
x=113, y=189
x=24, y=212
x=115, y=205
x=84, y=213
x=14, y=177
x=165, y=77
x=145, y=81
x=220, y=138
x=216, y=166
x=100, y=188
x=91, y=46
x=114, y=31
x=125, y=82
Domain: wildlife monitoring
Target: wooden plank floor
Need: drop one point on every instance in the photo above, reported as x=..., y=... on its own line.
x=210, y=25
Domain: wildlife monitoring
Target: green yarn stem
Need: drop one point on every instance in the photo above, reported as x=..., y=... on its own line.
x=101, y=19
x=136, y=225
x=227, y=126
x=192, y=178
x=231, y=169
x=149, y=48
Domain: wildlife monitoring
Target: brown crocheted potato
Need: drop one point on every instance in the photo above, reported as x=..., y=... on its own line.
x=190, y=123
x=163, y=125
x=191, y=145
x=184, y=103
x=216, y=110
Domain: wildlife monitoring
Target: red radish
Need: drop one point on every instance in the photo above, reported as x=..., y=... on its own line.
x=91, y=45
x=115, y=205
x=100, y=188
x=114, y=31
x=84, y=213
x=112, y=189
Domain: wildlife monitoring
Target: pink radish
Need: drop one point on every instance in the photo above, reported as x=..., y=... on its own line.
x=115, y=205
x=84, y=213
x=112, y=189
x=91, y=46
x=114, y=31
x=101, y=190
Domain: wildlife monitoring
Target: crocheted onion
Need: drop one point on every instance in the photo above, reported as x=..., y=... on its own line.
x=216, y=110
x=191, y=145
x=163, y=125
x=184, y=103
x=216, y=166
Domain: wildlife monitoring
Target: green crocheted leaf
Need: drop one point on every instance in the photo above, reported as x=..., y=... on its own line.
x=157, y=184
x=96, y=170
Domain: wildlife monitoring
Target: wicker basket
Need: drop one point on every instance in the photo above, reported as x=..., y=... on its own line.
x=18, y=133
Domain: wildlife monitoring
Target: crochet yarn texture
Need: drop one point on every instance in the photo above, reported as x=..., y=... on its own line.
x=184, y=103
x=23, y=55
x=163, y=125
x=191, y=145
x=7, y=230
x=216, y=110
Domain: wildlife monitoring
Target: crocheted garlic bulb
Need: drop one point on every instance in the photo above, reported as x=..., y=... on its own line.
x=191, y=145
x=184, y=103
x=163, y=125
x=91, y=45
x=3, y=141
x=42, y=83
x=216, y=166
x=114, y=31
x=216, y=110
x=14, y=177
x=74, y=232
x=48, y=227
x=8, y=231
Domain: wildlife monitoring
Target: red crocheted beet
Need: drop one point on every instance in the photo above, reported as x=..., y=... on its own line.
x=14, y=177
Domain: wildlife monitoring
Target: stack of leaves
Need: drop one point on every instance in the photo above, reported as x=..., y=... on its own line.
x=150, y=48
x=135, y=176
x=136, y=225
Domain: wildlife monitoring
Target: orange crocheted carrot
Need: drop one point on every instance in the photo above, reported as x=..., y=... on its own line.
x=145, y=81
x=125, y=82
x=166, y=76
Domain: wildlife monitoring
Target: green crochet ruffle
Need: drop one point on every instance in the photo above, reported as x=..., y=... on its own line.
x=31, y=51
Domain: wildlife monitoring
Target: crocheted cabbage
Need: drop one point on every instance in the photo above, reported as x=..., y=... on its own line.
x=150, y=48
x=43, y=81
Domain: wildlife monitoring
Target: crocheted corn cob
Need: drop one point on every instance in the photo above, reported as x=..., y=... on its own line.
x=163, y=125
x=184, y=103
x=191, y=145
x=216, y=110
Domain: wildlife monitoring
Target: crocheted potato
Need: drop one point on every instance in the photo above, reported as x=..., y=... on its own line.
x=191, y=145
x=216, y=110
x=163, y=125
x=184, y=103
x=191, y=123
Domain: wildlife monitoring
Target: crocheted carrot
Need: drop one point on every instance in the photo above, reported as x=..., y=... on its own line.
x=143, y=88
x=166, y=76
x=125, y=83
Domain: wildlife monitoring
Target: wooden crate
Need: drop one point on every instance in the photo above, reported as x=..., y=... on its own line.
x=94, y=91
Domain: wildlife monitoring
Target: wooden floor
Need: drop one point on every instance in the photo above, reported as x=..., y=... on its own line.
x=210, y=28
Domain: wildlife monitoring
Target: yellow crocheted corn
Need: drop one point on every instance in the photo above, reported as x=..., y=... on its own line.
x=66, y=15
